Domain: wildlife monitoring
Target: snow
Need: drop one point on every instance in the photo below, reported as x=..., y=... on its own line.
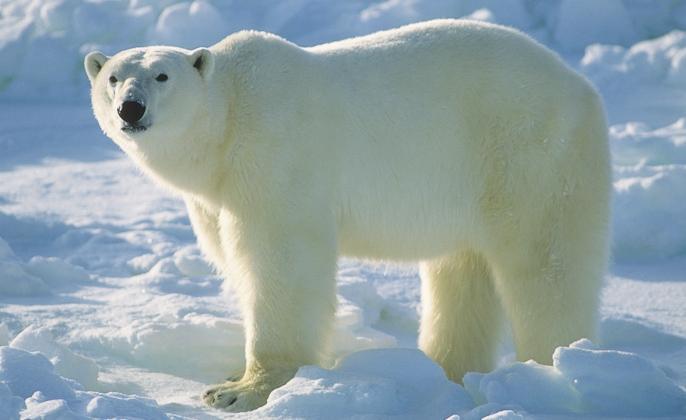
x=369, y=382
x=585, y=380
x=108, y=310
x=650, y=185
x=177, y=24
x=15, y=280
x=66, y=363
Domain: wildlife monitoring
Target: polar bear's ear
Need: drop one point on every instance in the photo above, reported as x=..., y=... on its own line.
x=93, y=64
x=203, y=60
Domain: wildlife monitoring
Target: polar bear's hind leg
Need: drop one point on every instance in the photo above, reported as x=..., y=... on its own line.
x=460, y=322
x=550, y=275
x=550, y=294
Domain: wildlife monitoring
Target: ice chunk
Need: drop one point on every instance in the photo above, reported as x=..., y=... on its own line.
x=190, y=25
x=25, y=373
x=203, y=347
x=116, y=405
x=68, y=364
x=14, y=278
x=651, y=61
x=616, y=383
x=166, y=276
x=359, y=308
x=370, y=382
x=56, y=272
x=10, y=405
x=536, y=388
x=88, y=405
x=31, y=377
x=191, y=263
x=38, y=408
x=582, y=380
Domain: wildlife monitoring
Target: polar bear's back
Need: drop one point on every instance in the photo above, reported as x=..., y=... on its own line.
x=460, y=54
x=476, y=117
x=477, y=72
x=450, y=32
x=424, y=131
x=464, y=43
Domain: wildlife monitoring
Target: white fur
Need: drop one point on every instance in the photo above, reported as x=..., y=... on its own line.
x=466, y=146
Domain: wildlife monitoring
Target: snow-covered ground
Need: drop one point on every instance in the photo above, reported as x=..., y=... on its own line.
x=108, y=310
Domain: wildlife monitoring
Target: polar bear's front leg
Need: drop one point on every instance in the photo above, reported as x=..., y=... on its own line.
x=284, y=276
x=206, y=228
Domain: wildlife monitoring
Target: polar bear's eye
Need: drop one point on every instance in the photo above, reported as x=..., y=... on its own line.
x=113, y=79
x=162, y=77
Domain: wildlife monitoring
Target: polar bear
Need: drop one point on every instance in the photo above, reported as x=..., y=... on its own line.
x=464, y=146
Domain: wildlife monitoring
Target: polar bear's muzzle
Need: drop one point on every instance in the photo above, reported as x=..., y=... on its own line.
x=131, y=112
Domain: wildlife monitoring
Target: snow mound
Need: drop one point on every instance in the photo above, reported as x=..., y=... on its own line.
x=582, y=380
x=25, y=373
x=202, y=347
x=118, y=405
x=40, y=276
x=650, y=191
x=208, y=346
x=190, y=262
x=657, y=60
x=56, y=273
x=14, y=278
x=30, y=388
x=67, y=364
x=189, y=24
x=649, y=160
x=616, y=383
x=10, y=405
x=386, y=383
x=400, y=382
x=181, y=275
x=359, y=309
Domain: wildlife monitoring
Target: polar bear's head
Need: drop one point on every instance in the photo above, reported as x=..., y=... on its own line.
x=147, y=99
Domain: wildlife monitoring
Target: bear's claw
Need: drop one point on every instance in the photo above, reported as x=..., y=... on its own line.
x=235, y=396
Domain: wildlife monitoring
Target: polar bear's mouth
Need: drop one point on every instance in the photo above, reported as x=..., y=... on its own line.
x=133, y=128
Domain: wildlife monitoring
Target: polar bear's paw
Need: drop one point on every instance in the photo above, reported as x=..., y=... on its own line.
x=236, y=396
x=246, y=394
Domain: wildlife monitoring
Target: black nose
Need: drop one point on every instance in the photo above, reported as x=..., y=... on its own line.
x=131, y=111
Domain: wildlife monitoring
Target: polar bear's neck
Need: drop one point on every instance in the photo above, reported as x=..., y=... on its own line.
x=199, y=169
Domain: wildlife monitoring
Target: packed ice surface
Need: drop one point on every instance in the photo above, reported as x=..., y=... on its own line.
x=107, y=308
